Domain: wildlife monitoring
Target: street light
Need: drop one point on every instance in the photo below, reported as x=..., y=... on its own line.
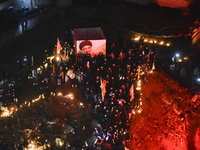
x=177, y=55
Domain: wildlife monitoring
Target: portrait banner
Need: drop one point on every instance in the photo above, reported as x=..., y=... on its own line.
x=93, y=47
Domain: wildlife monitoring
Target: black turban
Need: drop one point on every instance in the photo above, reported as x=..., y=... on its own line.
x=83, y=43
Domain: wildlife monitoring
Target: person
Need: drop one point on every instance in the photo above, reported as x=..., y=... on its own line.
x=86, y=46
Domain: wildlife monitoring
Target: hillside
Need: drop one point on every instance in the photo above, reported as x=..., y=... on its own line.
x=170, y=118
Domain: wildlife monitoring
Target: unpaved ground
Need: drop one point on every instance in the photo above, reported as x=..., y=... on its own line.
x=170, y=118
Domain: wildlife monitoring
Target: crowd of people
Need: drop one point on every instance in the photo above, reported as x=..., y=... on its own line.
x=106, y=82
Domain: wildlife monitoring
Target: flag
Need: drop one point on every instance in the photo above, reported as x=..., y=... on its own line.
x=153, y=66
x=131, y=92
x=146, y=68
x=112, y=55
x=59, y=47
x=103, y=88
x=121, y=56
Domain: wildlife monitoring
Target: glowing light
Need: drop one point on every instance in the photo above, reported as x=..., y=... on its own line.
x=46, y=65
x=186, y=58
x=168, y=44
x=5, y=114
x=140, y=103
x=177, y=55
x=151, y=71
x=12, y=108
x=151, y=41
x=179, y=60
x=161, y=43
x=139, y=110
x=81, y=104
x=51, y=58
x=136, y=38
x=138, y=85
x=69, y=96
x=32, y=146
x=25, y=59
x=145, y=40
x=133, y=111
x=60, y=94
x=198, y=79
x=138, y=88
x=57, y=58
x=155, y=41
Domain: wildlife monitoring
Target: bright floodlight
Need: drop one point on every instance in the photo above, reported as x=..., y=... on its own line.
x=198, y=79
x=177, y=55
